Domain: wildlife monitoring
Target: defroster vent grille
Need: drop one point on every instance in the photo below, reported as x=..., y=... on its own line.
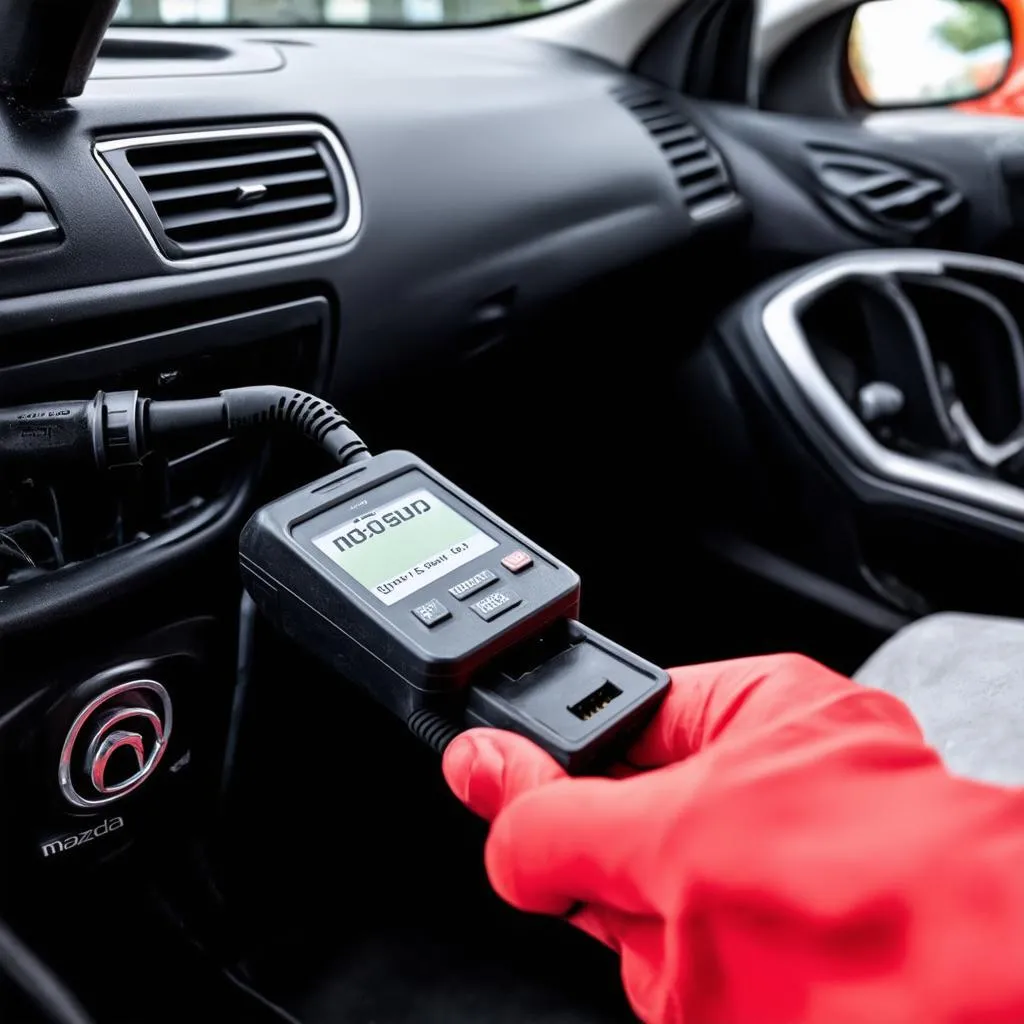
x=700, y=172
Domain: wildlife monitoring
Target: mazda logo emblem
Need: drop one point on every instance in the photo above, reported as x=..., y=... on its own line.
x=115, y=743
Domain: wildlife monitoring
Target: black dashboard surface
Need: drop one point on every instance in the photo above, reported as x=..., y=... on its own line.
x=487, y=165
x=484, y=164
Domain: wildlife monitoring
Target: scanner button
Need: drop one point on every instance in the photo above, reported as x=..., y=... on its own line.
x=477, y=582
x=431, y=613
x=517, y=561
x=496, y=603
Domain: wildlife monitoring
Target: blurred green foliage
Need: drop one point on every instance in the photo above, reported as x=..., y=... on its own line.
x=977, y=23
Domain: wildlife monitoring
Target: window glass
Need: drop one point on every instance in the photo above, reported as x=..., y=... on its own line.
x=329, y=12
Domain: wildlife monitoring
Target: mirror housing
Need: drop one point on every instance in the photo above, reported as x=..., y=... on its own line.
x=914, y=53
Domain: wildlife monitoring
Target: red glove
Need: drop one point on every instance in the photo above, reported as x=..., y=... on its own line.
x=793, y=854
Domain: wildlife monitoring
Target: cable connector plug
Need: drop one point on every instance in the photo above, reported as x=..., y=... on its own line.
x=104, y=431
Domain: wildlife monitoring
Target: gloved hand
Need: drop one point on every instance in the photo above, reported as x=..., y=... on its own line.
x=783, y=848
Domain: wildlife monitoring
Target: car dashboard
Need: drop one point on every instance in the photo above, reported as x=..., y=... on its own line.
x=473, y=167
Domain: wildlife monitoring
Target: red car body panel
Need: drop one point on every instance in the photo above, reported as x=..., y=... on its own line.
x=1007, y=98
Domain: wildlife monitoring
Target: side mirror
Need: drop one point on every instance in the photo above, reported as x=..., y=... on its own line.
x=912, y=53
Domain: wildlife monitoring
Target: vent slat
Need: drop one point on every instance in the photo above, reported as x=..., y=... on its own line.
x=698, y=168
x=705, y=186
x=641, y=103
x=703, y=190
x=226, y=190
x=690, y=154
x=666, y=120
x=182, y=221
x=208, y=165
x=670, y=137
x=853, y=184
x=910, y=195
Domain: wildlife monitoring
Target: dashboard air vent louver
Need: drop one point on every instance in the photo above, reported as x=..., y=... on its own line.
x=204, y=193
x=699, y=169
x=878, y=196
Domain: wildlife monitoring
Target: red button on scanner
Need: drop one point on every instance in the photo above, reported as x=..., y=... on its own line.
x=517, y=561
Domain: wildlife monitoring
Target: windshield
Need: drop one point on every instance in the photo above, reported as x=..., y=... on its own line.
x=410, y=13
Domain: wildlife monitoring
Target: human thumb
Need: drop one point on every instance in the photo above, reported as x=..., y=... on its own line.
x=489, y=768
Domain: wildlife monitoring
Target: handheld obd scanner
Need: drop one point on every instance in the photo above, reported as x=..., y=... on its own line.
x=393, y=577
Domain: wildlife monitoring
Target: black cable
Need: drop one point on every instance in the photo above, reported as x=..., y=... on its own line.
x=58, y=522
x=9, y=546
x=247, y=615
x=433, y=729
x=213, y=954
x=316, y=419
x=119, y=428
x=36, y=526
x=268, y=1004
x=238, y=410
x=38, y=982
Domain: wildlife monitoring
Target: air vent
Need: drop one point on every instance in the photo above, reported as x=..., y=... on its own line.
x=699, y=169
x=879, y=197
x=210, y=194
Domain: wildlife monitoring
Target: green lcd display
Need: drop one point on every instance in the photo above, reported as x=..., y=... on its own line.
x=400, y=547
